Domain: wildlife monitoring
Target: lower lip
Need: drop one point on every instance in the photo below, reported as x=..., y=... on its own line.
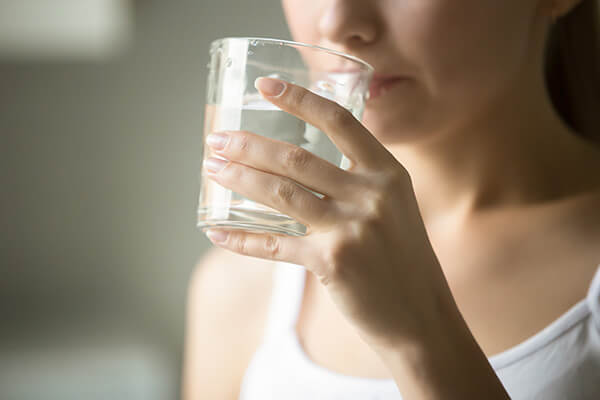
x=380, y=88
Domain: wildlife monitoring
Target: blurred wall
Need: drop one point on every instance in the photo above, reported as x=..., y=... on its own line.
x=99, y=165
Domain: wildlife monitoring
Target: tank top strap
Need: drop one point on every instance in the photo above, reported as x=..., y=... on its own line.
x=593, y=298
x=286, y=299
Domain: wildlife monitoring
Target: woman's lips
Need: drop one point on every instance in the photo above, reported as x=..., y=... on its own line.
x=378, y=86
x=379, y=83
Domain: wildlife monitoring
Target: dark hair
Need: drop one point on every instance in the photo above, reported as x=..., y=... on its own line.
x=572, y=68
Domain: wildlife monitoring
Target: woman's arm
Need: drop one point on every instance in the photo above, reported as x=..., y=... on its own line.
x=366, y=242
x=445, y=363
x=227, y=295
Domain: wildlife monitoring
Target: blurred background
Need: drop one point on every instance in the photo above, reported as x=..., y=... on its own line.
x=101, y=116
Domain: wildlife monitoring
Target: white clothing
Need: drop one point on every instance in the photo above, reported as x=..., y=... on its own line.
x=560, y=362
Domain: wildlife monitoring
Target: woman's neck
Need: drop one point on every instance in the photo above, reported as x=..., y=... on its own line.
x=517, y=152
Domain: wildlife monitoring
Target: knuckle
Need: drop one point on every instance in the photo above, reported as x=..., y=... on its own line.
x=240, y=244
x=284, y=192
x=296, y=158
x=344, y=247
x=375, y=205
x=233, y=172
x=242, y=144
x=339, y=117
x=300, y=98
x=383, y=191
x=365, y=229
x=272, y=246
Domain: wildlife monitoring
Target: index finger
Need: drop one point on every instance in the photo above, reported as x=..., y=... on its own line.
x=345, y=131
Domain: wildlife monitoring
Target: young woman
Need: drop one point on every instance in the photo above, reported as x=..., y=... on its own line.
x=458, y=257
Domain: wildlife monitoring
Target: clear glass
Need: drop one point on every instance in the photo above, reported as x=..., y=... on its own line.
x=233, y=103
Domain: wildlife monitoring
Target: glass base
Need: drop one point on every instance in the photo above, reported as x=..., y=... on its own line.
x=250, y=220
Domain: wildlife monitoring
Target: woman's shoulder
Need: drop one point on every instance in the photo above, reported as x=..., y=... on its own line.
x=227, y=306
x=223, y=273
x=235, y=286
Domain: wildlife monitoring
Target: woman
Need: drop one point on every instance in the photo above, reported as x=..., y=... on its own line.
x=458, y=257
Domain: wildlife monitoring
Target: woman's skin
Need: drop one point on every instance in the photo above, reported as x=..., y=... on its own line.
x=506, y=192
x=474, y=126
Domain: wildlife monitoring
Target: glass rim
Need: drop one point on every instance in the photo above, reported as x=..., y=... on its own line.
x=369, y=67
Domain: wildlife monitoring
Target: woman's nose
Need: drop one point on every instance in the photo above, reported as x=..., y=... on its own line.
x=347, y=21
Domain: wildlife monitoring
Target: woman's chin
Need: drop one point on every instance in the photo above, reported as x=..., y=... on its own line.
x=392, y=131
x=386, y=130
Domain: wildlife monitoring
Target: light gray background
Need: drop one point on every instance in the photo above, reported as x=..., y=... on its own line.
x=99, y=165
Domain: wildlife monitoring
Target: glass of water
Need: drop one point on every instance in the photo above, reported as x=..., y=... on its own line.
x=233, y=103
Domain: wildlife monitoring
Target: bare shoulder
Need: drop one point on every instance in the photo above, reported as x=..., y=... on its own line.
x=230, y=277
x=228, y=300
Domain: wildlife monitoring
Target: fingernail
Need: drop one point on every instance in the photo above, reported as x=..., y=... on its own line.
x=217, y=140
x=214, y=164
x=217, y=236
x=269, y=86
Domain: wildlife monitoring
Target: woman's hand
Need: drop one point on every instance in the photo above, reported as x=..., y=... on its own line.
x=365, y=239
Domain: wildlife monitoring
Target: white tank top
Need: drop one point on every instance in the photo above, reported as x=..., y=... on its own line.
x=562, y=361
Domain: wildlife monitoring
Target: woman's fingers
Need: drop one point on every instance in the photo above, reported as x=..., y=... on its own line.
x=276, y=247
x=274, y=191
x=285, y=159
x=345, y=131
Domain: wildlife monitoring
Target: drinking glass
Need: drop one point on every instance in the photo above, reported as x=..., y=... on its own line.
x=233, y=103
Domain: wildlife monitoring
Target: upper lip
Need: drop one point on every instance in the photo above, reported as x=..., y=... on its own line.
x=376, y=76
x=385, y=77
